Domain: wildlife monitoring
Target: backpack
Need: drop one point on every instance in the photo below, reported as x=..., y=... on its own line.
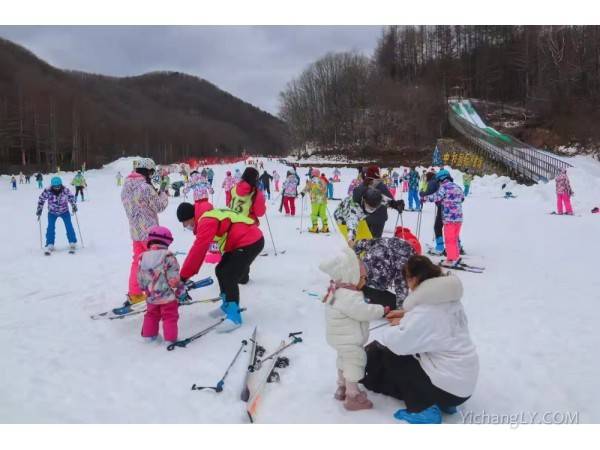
x=407, y=235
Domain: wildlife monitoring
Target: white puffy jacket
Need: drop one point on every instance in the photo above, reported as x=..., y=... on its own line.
x=347, y=315
x=435, y=330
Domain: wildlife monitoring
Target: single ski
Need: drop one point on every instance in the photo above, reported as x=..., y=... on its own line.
x=138, y=308
x=463, y=266
x=256, y=352
x=281, y=252
x=219, y=387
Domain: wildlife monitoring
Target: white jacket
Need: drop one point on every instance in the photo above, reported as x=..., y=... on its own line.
x=435, y=330
x=347, y=314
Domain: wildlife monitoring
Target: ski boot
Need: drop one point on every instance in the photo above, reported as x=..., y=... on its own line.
x=233, y=320
x=439, y=249
x=72, y=247
x=133, y=303
x=325, y=229
x=49, y=249
x=450, y=264
x=313, y=229
x=431, y=415
x=220, y=311
x=448, y=409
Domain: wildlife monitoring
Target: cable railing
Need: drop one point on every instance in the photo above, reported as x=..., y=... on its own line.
x=517, y=156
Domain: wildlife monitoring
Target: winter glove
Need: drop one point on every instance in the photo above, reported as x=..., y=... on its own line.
x=74, y=208
x=398, y=205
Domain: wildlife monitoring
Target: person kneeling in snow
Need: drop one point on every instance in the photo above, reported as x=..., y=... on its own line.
x=158, y=277
x=239, y=239
x=427, y=358
x=347, y=318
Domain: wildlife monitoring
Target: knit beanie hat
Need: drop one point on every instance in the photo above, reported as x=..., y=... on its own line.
x=185, y=211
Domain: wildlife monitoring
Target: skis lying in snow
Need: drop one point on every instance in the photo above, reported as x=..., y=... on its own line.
x=554, y=213
x=267, y=374
x=139, y=308
x=184, y=342
x=462, y=266
x=256, y=352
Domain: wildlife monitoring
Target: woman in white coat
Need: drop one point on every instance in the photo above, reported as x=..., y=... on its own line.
x=347, y=318
x=427, y=358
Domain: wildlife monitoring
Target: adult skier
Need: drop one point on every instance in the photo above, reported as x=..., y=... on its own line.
x=40, y=180
x=80, y=184
x=58, y=198
x=265, y=179
x=246, y=198
x=142, y=204
x=239, y=239
x=467, y=180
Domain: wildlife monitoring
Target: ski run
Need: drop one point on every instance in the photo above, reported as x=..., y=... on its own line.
x=533, y=312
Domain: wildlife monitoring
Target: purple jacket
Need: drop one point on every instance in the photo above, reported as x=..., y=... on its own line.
x=57, y=203
x=450, y=196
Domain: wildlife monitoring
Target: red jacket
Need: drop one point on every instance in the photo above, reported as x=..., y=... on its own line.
x=259, y=204
x=238, y=235
x=200, y=207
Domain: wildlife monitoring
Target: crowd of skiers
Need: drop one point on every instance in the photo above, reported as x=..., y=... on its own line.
x=425, y=357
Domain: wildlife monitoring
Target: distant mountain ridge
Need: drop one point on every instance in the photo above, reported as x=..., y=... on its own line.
x=50, y=116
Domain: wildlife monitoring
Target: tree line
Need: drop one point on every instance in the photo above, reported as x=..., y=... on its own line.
x=396, y=99
x=51, y=117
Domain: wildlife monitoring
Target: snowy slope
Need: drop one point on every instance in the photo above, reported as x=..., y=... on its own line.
x=533, y=314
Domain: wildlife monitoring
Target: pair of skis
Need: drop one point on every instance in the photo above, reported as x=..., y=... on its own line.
x=139, y=308
x=465, y=267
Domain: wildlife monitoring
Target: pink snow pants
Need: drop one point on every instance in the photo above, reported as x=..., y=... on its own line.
x=227, y=198
x=289, y=204
x=563, y=199
x=139, y=247
x=169, y=315
x=451, y=235
x=277, y=186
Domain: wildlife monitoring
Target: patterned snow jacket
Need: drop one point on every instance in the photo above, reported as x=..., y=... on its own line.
x=384, y=259
x=158, y=276
x=353, y=185
x=413, y=180
x=290, y=186
x=450, y=196
x=200, y=187
x=349, y=213
x=317, y=190
x=142, y=204
x=563, y=186
x=57, y=203
x=228, y=183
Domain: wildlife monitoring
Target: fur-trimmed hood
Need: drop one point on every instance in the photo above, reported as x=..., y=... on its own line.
x=444, y=289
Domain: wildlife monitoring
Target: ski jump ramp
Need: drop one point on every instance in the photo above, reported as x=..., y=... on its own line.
x=518, y=157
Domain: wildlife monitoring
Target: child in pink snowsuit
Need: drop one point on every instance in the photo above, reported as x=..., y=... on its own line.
x=276, y=179
x=563, y=193
x=158, y=276
x=228, y=183
x=405, y=181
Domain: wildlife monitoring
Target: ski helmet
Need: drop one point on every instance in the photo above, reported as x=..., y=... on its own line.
x=442, y=175
x=144, y=163
x=160, y=234
x=372, y=198
x=55, y=182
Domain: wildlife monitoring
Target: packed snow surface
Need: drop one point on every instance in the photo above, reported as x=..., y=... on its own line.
x=533, y=314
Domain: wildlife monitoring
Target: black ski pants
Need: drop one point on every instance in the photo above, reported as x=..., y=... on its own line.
x=234, y=269
x=438, y=225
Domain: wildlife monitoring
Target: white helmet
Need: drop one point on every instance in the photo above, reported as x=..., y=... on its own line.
x=144, y=163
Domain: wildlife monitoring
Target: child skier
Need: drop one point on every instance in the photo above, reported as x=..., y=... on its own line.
x=200, y=188
x=450, y=196
x=246, y=198
x=347, y=317
x=405, y=181
x=119, y=179
x=13, y=183
x=290, y=192
x=317, y=190
x=40, y=180
x=563, y=193
x=467, y=179
x=58, y=198
x=276, y=179
x=228, y=184
x=158, y=277
x=413, y=190
x=328, y=186
x=80, y=185
x=265, y=180
x=336, y=175
x=354, y=184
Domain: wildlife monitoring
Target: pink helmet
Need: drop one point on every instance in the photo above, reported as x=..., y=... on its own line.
x=160, y=234
x=229, y=173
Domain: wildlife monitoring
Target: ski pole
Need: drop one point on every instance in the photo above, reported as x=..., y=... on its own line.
x=79, y=229
x=271, y=234
x=221, y=383
x=419, y=219
x=40, y=226
x=301, y=214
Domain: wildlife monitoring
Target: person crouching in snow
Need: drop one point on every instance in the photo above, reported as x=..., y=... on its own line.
x=158, y=277
x=317, y=190
x=450, y=196
x=563, y=193
x=347, y=317
x=426, y=358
